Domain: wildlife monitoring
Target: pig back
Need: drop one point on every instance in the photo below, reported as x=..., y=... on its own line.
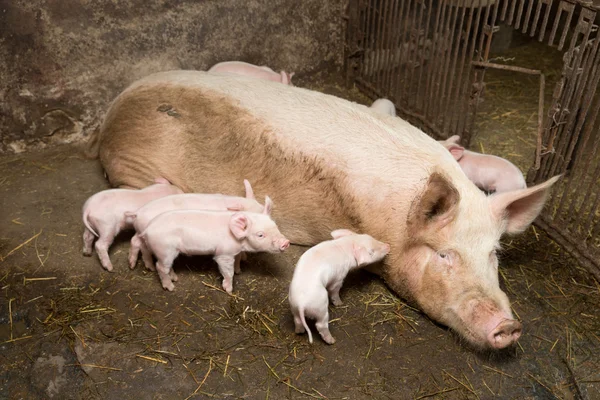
x=327, y=163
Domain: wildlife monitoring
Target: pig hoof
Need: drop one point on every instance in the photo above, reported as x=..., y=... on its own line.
x=329, y=339
x=87, y=252
x=337, y=302
x=300, y=329
x=169, y=286
x=174, y=277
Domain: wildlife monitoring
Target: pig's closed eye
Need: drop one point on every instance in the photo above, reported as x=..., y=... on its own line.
x=260, y=235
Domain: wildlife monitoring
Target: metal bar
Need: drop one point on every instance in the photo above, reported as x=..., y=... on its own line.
x=538, y=149
x=435, y=64
x=513, y=68
x=421, y=98
x=519, y=14
x=546, y=18
x=527, y=16
x=570, y=7
x=387, y=80
x=448, y=71
x=457, y=114
x=470, y=81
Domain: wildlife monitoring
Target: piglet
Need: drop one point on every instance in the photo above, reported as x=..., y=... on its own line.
x=384, y=106
x=104, y=214
x=188, y=201
x=321, y=270
x=223, y=234
x=489, y=173
x=262, y=72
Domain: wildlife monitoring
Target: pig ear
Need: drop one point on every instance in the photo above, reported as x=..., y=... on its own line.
x=268, y=205
x=338, y=233
x=519, y=208
x=238, y=224
x=162, y=181
x=249, y=191
x=456, y=150
x=361, y=254
x=453, y=139
x=435, y=207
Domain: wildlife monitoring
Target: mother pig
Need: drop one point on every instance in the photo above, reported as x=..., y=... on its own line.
x=330, y=164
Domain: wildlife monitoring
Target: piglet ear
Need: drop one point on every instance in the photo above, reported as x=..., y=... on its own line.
x=239, y=225
x=162, y=181
x=268, y=206
x=338, y=233
x=360, y=254
x=519, y=208
x=249, y=191
x=456, y=150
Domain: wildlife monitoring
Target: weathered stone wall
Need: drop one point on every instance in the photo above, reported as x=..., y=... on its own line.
x=63, y=61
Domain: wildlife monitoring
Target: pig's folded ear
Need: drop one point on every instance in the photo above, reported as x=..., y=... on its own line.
x=162, y=180
x=249, y=191
x=268, y=205
x=238, y=224
x=519, y=208
x=235, y=207
x=338, y=233
x=456, y=150
x=361, y=254
x=435, y=207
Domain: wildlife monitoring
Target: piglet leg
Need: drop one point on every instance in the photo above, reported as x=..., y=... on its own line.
x=134, y=250
x=147, y=257
x=322, y=325
x=88, y=241
x=226, y=267
x=102, y=245
x=334, y=293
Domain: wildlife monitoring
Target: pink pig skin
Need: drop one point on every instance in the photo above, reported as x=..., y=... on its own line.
x=321, y=270
x=487, y=172
x=262, y=72
x=223, y=234
x=188, y=201
x=104, y=214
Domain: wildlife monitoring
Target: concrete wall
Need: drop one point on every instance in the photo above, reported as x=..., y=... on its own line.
x=63, y=61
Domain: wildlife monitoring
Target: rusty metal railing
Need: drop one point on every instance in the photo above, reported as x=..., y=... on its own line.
x=430, y=57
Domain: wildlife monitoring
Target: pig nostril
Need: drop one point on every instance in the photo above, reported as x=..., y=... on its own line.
x=285, y=245
x=506, y=333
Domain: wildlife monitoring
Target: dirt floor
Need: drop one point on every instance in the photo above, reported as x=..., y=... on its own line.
x=70, y=330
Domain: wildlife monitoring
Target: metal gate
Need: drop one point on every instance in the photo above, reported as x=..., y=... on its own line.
x=430, y=56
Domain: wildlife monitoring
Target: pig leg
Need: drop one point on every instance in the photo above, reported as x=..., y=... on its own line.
x=322, y=325
x=164, y=268
x=134, y=250
x=334, y=293
x=298, y=324
x=102, y=245
x=226, y=267
x=236, y=267
x=88, y=241
x=147, y=257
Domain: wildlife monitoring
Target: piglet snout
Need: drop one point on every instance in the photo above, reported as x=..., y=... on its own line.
x=284, y=245
x=505, y=334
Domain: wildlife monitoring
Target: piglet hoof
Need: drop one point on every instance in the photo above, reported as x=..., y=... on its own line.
x=328, y=339
x=228, y=286
x=300, y=330
x=87, y=252
x=173, y=277
x=108, y=267
x=337, y=302
x=168, y=285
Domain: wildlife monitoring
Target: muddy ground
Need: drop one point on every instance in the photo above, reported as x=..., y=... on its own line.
x=70, y=330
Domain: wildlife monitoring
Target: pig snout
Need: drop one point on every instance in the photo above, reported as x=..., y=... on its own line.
x=283, y=244
x=505, y=334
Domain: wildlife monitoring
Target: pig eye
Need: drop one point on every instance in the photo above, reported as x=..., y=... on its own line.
x=443, y=255
x=260, y=235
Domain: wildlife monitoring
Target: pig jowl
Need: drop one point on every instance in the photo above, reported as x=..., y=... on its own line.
x=329, y=163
